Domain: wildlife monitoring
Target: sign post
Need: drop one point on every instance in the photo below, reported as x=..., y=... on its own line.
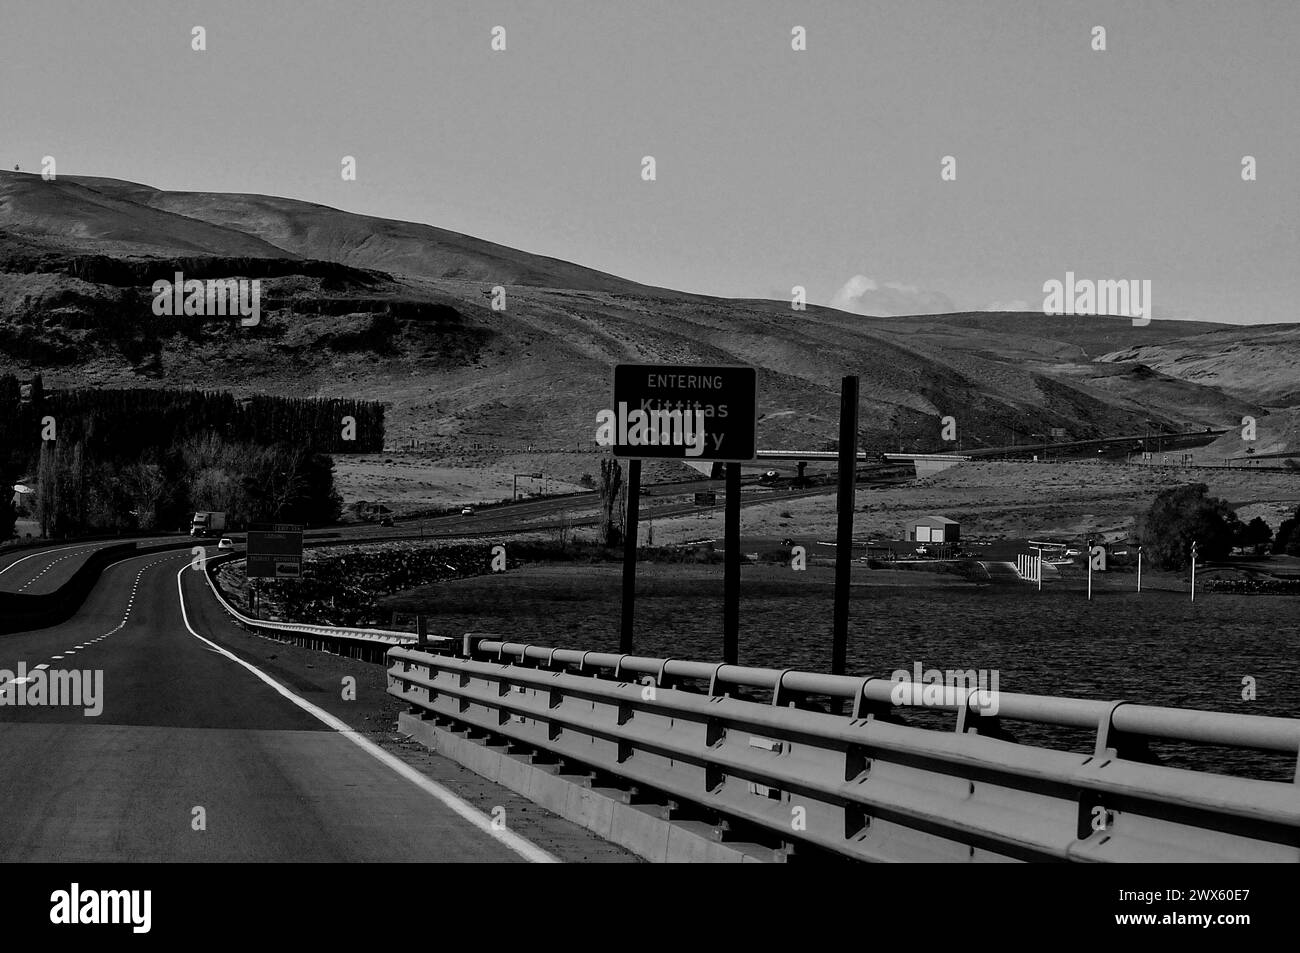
x=845, y=499
x=693, y=414
x=631, y=533
x=731, y=569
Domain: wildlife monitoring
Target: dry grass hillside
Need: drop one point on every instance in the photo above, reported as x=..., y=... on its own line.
x=395, y=311
x=1259, y=363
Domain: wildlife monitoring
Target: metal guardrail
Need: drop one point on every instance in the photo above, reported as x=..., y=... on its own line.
x=863, y=785
x=378, y=636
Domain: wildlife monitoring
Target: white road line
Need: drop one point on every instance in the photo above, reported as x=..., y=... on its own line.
x=44, y=552
x=520, y=845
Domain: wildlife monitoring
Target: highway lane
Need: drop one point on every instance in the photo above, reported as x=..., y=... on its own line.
x=186, y=731
x=46, y=568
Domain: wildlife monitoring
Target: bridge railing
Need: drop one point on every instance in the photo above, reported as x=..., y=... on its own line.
x=861, y=784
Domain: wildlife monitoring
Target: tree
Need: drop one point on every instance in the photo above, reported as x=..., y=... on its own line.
x=291, y=484
x=611, y=486
x=1255, y=535
x=47, y=489
x=8, y=514
x=1287, y=540
x=146, y=485
x=1184, y=514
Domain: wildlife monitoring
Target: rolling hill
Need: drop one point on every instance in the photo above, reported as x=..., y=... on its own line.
x=400, y=312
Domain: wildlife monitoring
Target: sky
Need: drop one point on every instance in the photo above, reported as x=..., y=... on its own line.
x=774, y=167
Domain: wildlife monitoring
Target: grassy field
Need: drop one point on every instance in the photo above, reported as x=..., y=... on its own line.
x=1007, y=499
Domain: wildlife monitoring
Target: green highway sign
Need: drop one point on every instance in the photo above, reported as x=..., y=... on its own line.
x=274, y=551
x=682, y=412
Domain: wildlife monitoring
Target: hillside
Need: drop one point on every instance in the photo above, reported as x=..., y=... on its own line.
x=1259, y=363
x=399, y=312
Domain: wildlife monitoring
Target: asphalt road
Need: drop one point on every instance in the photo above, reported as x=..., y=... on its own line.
x=46, y=568
x=186, y=733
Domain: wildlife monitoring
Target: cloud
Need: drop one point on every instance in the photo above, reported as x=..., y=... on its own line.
x=1016, y=305
x=864, y=295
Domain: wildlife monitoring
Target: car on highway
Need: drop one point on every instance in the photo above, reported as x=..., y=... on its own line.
x=467, y=511
x=226, y=543
x=1073, y=552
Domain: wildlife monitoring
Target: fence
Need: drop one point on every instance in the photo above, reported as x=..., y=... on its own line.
x=1030, y=567
x=863, y=785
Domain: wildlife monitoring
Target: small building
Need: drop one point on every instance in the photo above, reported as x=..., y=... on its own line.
x=933, y=529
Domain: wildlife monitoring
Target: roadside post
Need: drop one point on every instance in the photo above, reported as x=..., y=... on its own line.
x=731, y=569
x=691, y=413
x=1088, y=555
x=631, y=536
x=1193, y=570
x=845, y=499
x=1139, y=569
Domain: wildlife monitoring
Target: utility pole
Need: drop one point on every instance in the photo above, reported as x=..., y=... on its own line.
x=1139, y=569
x=1193, y=570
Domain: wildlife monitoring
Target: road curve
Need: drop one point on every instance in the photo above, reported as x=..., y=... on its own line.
x=197, y=757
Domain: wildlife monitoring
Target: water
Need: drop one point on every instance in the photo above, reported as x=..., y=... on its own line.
x=1155, y=648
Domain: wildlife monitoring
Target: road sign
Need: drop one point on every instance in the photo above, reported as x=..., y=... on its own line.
x=682, y=412
x=274, y=551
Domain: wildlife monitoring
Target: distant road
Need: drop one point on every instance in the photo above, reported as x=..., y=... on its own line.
x=46, y=568
x=551, y=514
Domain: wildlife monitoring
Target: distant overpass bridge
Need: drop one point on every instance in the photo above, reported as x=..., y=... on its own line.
x=801, y=458
x=1154, y=442
x=928, y=463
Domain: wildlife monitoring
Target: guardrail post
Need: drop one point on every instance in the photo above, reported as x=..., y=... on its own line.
x=1116, y=744
x=421, y=631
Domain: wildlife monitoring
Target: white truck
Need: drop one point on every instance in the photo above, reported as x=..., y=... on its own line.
x=207, y=523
